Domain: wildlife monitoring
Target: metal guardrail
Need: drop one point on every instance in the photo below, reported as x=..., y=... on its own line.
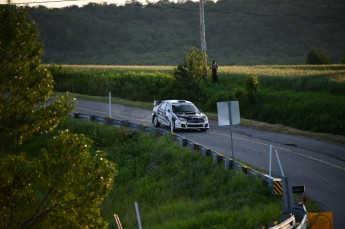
x=217, y=158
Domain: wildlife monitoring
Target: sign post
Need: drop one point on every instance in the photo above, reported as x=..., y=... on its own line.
x=109, y=104
x=229, y=115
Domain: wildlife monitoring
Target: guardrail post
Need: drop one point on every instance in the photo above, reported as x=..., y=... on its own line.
x=228, y=163
x=194, y=146
x=299, y=210
x=92, y=118
x=142, y=128
x=206, y=152
x=108, y=121
x=287, y=196
x=182, y=142
x=245, y=169
x=155, y=133
x=217, y=158
x=124, y=123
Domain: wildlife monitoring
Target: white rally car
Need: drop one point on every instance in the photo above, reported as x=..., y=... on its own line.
x=178, y=114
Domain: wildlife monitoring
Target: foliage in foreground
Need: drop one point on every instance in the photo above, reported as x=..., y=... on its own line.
x=61, y=186
x=174, y=187
x=25, y=86
x=48, y=179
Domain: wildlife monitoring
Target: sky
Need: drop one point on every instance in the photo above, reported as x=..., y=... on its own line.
x=64, y=3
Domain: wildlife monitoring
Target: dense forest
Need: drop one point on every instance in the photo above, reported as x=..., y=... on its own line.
x=238, y=32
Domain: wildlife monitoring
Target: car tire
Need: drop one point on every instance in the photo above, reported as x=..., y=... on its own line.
x=203, y=130
x=155, y=121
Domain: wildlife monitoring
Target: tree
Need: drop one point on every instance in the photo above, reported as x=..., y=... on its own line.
x=191, y=73
x=313, y=57
x=63, y=183
x=62, y=188
x=324, y=57
x=316, y=57
x=25, y=86
x=193, y=67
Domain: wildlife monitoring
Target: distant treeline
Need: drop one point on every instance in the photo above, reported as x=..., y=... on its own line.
x=238, y=32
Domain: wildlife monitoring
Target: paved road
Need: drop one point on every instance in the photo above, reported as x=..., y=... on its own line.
x=317, y=164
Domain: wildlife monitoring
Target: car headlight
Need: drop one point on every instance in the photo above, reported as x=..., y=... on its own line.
x=182, y=119
x=205, y=118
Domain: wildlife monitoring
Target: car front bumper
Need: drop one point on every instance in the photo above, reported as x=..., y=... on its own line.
x=189, y=125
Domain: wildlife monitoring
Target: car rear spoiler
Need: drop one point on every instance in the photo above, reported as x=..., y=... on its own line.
x=156, y=102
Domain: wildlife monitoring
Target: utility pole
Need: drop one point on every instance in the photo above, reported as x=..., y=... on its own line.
x=202, y=31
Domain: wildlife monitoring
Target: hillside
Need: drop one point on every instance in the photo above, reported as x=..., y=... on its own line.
x=238, y=32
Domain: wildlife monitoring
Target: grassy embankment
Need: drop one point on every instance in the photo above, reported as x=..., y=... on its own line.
x=291, y=98
x=175, y=187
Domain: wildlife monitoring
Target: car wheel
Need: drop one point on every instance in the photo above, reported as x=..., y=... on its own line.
x=203, y=130
x=156, y=122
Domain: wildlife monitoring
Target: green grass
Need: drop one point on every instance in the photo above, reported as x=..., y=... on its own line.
x=175, y=187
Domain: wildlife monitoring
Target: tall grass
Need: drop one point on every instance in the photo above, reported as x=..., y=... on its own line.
x=175, y=187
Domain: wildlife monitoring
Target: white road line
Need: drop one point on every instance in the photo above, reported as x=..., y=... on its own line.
x=289, y=151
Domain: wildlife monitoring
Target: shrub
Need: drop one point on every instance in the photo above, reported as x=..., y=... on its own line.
x=211, y=104
x=252, y=84
x=318, y=57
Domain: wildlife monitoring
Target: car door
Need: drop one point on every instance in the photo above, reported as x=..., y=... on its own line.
x=161, y=113
x=168, y=113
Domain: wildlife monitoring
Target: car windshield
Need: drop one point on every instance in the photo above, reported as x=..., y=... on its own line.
x=184, y=108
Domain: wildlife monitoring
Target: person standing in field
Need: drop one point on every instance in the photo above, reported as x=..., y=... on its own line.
x=214, y=68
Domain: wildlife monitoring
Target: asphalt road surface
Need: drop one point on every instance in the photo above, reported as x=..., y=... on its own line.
x=318, y=165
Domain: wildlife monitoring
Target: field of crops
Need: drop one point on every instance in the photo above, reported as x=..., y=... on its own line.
x=329, y=78
x=306, y=97
x=120, y=68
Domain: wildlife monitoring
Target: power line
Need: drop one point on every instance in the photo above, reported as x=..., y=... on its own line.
x=249, y=13
x=49, y=1
x=218, y=11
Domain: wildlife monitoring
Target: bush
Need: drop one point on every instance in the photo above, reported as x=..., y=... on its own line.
x=252, y=84
x=211, y=104
x=318, y=57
